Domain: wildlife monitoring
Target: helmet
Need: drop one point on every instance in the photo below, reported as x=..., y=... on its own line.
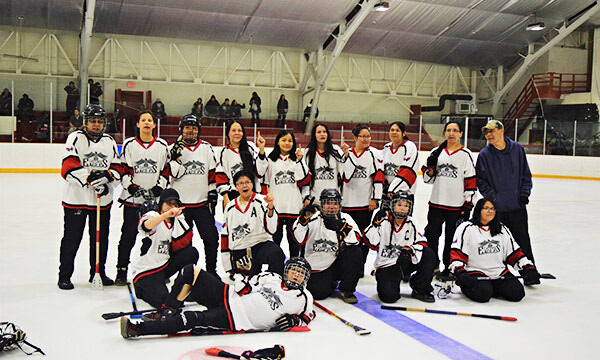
x=296, y=273
x=97, y=112
x=190, y=120
x=329, y=196
x=401, y=196
x=147, y=206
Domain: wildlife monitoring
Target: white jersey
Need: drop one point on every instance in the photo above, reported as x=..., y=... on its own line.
x=454, y=182
x=285, y=177
x=401, y=166
x=327, y=173
x=244, y=228
x=322, y=244
x=363, y=179
x=388, y=239
x=153, y=246
x=145, y=165
x=82, y=156
x=229, y=162
x=266, y=301
x=477, y=251
x=193, y=174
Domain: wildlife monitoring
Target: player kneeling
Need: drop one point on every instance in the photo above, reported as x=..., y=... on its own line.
x=401, y=250
x=265, y=301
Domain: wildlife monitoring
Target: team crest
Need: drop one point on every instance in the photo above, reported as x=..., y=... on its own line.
x=145, y=166
x=391, y=169
x=240, y=232
x=284, y=177
x=359, y=172
x=95, y=160
x=236, y=168
x=391, y=251
x=489, y=247
x=194, y=167
x=324, y=173
x=163, y=247
x=272, y=298
x=447, y=170
x=325, y=246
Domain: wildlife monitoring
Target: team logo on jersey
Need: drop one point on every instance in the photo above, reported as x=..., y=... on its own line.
x=236, y=168
x=489, y=247
x=447, y=170
x=391, y=169
x=325, y=246
x=240, y=232
x=391, y=251
x=95, y=160
x=145, y=166
x=271, y=296
x=359, y=172
x=163, y=247
x=324, y=173
x=194, y=167
x=284, y=177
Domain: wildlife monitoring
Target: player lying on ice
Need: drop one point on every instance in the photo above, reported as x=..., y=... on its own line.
x=264, y=301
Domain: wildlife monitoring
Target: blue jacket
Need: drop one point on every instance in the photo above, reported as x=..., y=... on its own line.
x=504, y=175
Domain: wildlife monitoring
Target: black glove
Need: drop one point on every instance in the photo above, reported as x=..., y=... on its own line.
x=407, y=251
x=176, y=149
x=287, y=322
x=99, y=177
x=276, y=352
x=379, y=216
x=101, y=189
x=333, y=223
x=465, y=211
x=465, y=280
x=523, y=200
x=530, y=275
x=156, y=190
x=133, y=188
x=306, y=213
x=212, y=201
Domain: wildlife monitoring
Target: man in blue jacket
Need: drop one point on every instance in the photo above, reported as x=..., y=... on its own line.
x=503, y=176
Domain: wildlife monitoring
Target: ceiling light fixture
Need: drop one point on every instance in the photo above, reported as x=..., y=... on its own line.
x=536, y=25
x=382, y=6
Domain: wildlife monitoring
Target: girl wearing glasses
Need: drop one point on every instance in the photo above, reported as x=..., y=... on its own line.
x=400, y=162
x=451, y=170
x=483, y=246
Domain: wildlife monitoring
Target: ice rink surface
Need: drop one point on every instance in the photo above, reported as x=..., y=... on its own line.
x=557, y=319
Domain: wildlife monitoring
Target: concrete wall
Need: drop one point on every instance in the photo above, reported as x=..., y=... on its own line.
x=47, y=158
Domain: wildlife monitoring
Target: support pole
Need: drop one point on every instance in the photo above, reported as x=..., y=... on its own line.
x=84, y=60
x=466, y=131
x=574, y=136
x=51, y=123
x=545, y=128
x=12, y=109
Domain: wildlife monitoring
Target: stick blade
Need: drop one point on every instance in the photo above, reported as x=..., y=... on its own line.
x=508, y=318
x=361, y=331
x=109, y=316
x=97, y=282
x=547, y=276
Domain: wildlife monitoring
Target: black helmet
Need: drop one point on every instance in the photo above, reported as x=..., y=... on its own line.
x=401, y=196
x=97, y=112
x=330, y=195
x=300, y=265
x=190, y=120
x=147, y=206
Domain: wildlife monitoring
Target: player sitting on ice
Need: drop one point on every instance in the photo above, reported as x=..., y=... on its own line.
x=163, y=247
x=401, y=250
x=483, y=246
x=331, y=239
x=265, y=301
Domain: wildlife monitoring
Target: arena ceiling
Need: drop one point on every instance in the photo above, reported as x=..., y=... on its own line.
x=474, y=33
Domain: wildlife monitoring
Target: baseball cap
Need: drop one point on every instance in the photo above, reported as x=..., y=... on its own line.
x=491, y=125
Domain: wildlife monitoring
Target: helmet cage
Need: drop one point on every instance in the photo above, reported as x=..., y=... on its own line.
x=294, y=268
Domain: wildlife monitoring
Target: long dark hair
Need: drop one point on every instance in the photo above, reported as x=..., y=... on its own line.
x=402, y=127
x=495, y=225
x=311, y=150
x=274, y=155
x=244, y=149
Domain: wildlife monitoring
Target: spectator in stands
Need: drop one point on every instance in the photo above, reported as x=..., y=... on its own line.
x=25, y=108
x=226, y=110
x=72, y=97
x=158, y=110
x=282, y=109
x=95, y=90
x=5, y=102
x=254, y=108
x=75, y=121
x=43, y=127
x=307, y=111
x=197, y=108
x=236, y=109
x=212, y=109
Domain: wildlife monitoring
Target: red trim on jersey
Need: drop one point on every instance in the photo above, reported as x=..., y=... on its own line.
x=281, y=157
x=379, y=177
x=407, y=174
x=211, y=176
x=304, y=182
x=117, y=167
x=264, y=189
x=514, y=257
x=195, y=147
x=183, y=241
x=444, y=207
x=350, y=209
x=423, y=243
x=361, y=154
x=143, y=145
x=165, y=172
x=457, y=255
x=454, y=152
x=319, y=153
x=470, y=183
x=486, y=228
x=149, y=272
x=287, y=216
x=69, y=164
x=237, y=205
x=194, y=205
x=397, y=147
x=224, y=242
x=227, y=309
x=401, y=226
x=129, y=204
x=232, y=149
x=221, y=179
x=86, y=207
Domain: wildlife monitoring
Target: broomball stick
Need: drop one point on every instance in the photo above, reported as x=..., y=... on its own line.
x=443, y=312
x=542, y=276
x=357, y=329
x=97, y=280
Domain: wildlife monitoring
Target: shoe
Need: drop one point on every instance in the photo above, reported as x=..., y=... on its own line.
x=349, y=298
x=129, y=330
x=65, y=284
x=121, y=279
x=424, y=297
x=106, y=281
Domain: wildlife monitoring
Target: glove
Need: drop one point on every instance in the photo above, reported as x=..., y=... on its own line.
x=156, y=190
x=176, y=149
x=101, y=189
x=407, y=251
x=379, y=216
x=144, y=194
x=463, y=279
x=287, y=322
x=523, y=200
x=133, y=189
x=530, y=275
x=276, y=352
x=97, y=178
x=306, y=213
x=465, y=211
x=245, y=263
x=212, y=201
x=333, y=223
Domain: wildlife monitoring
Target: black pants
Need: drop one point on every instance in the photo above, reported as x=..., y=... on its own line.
x=293, y=246
x=388, y=278
x=255, y=118
x=281, y=118
x=516, y=222
x=345, y=268
x=152, y=288
x=266, y=252
x=362, y=219
x=205, y=223
x=510, y=289
x=128, y=234
x=436, y=217
x=74, y=224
